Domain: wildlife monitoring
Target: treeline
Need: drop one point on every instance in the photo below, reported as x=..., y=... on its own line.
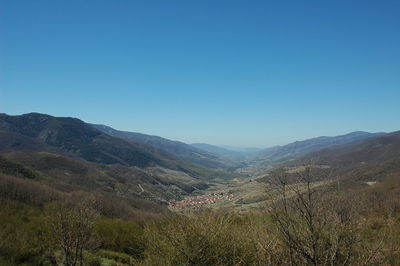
x=305, y=224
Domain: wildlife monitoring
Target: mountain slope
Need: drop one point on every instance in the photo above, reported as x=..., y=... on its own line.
x=129, y=182
x=74, y=138
x=376, y=150
x=177, y=148
x=280, y=154
x=358, y=162
x=220, y=151
x=302, y=147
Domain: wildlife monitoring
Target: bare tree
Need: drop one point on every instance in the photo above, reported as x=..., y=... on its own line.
x=72, y=228
x=313, y=227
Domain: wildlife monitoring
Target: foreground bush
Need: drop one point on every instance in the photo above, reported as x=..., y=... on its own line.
x=120, y=236
x=210, y=239
x=23, y=238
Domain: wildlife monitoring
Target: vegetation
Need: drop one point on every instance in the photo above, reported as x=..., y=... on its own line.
x=305, y=225
x=12, y=168
x=159, y=184
x=56, y=208
x=74, y=138
x=188, y=152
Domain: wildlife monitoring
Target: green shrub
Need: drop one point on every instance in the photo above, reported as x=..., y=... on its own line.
x=120, y=236
x=115, y=256
x=92, y=259
x=207, y=239
x=23, y=238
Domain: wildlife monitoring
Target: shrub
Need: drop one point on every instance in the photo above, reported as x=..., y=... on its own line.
x=120, y=236
x=207, y=239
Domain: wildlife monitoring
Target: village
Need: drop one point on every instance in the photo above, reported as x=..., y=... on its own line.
x=198, y=201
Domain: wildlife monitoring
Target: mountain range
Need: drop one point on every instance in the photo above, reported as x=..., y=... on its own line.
x=75, y=153
x=189, y=152
x=230, y=153
x=363, y=166
x=265, y=159
x=68, y=151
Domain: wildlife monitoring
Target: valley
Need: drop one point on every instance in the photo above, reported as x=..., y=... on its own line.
x=239, y=193
x=148, y=191
x=199, y=133
x=135, y=165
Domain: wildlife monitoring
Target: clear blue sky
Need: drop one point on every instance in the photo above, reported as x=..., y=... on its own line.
x=241, y=73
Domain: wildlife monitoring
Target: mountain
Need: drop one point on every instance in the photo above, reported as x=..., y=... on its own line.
x=364, y=173
x=247, y=150
x=223, y=152
x=368, y=151
x=280, y=154
x=302, y=147
x=374, y=160
x=74, y=138
x=188, y=152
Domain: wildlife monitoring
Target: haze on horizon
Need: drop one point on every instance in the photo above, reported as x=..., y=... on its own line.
x=228, y=73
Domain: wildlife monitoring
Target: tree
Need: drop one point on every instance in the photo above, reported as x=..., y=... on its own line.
x=316, y=230
x=72, y=228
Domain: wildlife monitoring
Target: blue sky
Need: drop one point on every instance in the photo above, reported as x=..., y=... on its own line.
x=241, y=73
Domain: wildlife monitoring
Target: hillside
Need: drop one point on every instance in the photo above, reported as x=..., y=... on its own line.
x=74, y=138
x=354, y=164
x=46, y=178
x=375, y=150
x=369, y=160
x=188, y=152
x=223, y=152
x=280, y=154
x=155, y=183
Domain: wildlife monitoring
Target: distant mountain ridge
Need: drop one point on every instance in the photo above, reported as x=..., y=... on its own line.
x=374, y=159
x=266, y=158
x=188, y=152
x=241, y=149
x=224, y=152
x=372, y=150
x=73, y=137
x=301, y=147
